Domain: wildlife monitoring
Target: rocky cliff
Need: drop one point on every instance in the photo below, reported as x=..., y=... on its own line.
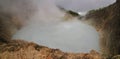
x=107, y=21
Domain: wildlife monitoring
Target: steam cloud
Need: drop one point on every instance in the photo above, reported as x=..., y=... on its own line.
x=46, y=26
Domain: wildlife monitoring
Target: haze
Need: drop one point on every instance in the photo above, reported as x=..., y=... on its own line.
x=83, y=5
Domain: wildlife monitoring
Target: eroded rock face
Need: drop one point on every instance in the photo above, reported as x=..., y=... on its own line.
x=107, y=21
x=18, y=49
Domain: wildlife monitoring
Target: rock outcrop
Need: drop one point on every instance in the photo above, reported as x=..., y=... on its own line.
x=18, y=49
x=107, y=22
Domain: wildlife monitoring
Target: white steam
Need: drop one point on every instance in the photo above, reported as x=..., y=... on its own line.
x=47, y=27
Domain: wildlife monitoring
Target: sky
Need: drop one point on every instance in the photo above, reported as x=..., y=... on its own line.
x=83, y=5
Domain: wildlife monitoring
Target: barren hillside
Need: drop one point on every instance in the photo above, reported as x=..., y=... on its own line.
x=107, y=21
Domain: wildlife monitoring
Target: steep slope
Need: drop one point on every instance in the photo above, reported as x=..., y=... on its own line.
x=107, y=22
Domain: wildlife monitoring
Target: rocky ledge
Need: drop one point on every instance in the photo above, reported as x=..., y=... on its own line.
x=19, y=49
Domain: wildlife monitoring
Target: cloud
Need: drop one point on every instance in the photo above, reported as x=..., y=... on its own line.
x=83, y=5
